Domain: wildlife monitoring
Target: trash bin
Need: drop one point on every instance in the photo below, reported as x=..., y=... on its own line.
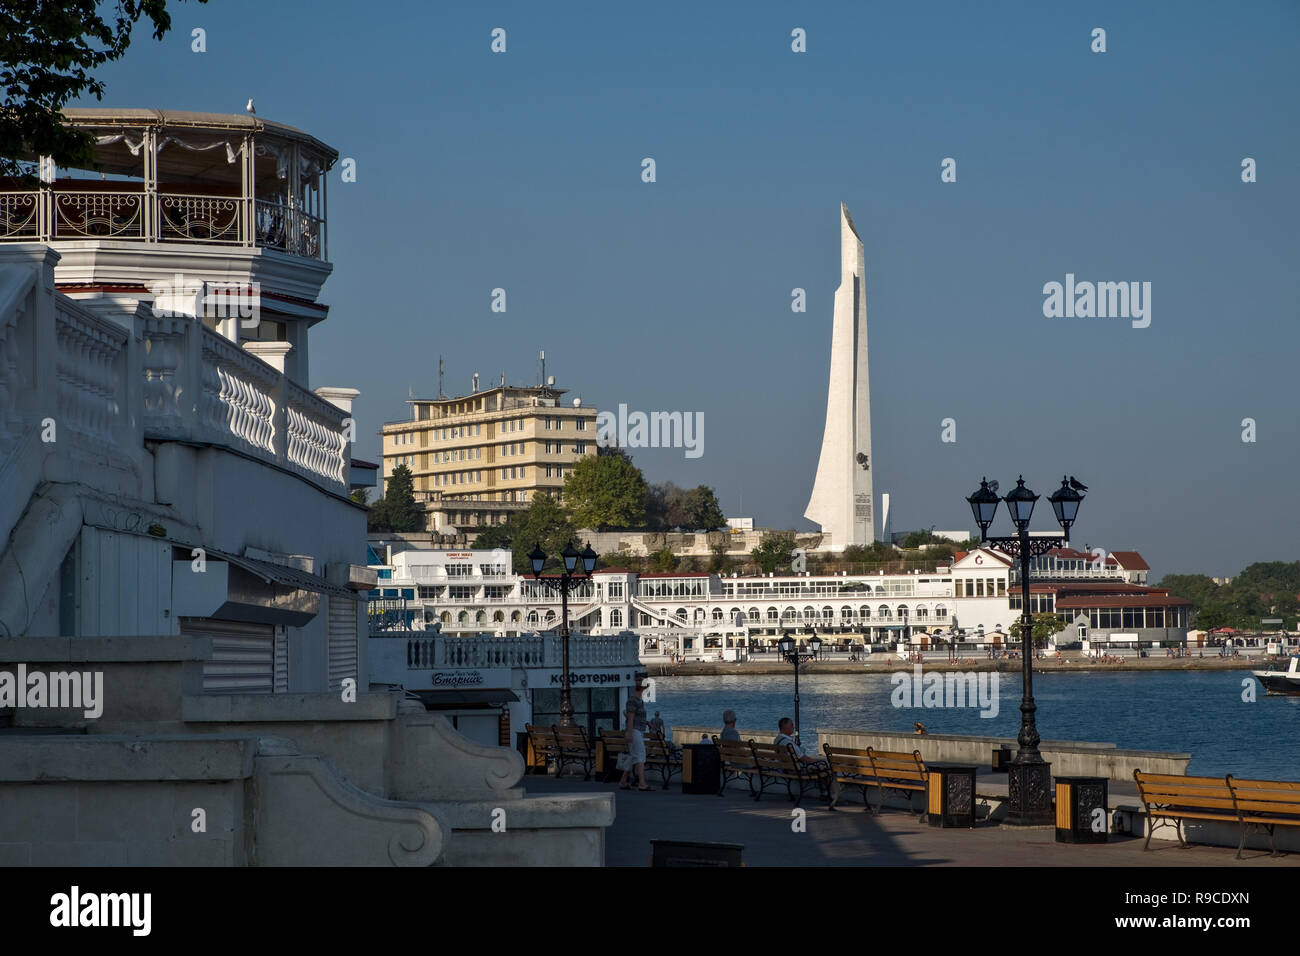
x=1081, y=810
x=701, y=768
x=950, y=796
x=689, y=853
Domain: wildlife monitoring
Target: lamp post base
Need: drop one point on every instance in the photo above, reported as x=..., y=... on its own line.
x=1029, y=794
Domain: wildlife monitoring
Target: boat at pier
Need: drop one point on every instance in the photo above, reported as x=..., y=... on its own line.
x=1282, y=682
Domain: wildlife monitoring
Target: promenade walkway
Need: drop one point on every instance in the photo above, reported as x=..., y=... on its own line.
x=851, y=837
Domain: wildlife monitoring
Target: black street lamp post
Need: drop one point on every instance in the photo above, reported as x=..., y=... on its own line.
x=1030, y=777
x=569, y=580
x=788, y=649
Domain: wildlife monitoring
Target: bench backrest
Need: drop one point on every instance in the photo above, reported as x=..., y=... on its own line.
x=658, y=749
x=897, y=765
x=735, y=753
x=1174, y=790
x=541, y=737
x=571, y=738
x=1268, y=797
x=776, y=757
x=847, y=761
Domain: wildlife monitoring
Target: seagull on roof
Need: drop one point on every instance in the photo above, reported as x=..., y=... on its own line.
x=1077, y=485
x=249, y=108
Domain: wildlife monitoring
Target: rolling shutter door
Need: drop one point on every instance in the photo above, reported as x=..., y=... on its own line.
x=243, y=656
x=342, y=640
x=281, y=660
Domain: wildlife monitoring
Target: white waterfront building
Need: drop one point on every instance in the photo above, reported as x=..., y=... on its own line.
x=695, y=614
x=176, y=531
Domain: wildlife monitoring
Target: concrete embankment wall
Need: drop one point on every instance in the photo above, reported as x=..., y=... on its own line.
x=1069, y=758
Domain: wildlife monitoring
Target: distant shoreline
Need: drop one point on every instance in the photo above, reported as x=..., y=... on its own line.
x=888, y=663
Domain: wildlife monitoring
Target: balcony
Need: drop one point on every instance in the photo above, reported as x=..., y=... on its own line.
x=197, y=178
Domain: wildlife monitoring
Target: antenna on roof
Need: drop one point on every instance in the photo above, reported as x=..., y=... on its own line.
x=542, y=379
x=440, y=392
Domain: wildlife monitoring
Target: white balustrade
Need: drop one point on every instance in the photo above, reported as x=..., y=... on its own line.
x=242, y=402
x=89, y=365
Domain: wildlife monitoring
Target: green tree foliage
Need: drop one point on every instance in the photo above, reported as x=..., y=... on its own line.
x=670, y=508
x=1264, y=589
x=543, y=523
x=775, y=553
x=48, y=49
x=399, y=511
x=703, y=511
x=606, y=491
x=664, y=560
x=1045, y=625
x=361, y=496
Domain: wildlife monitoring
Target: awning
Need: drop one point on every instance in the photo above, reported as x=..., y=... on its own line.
x=466, y=697
x=273, y=573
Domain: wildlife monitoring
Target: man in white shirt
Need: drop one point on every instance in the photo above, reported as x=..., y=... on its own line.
x=786, y=736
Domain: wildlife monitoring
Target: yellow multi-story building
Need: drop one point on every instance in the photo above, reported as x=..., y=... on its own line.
x=478, y=458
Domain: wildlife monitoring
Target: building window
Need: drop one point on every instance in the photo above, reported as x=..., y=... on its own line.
x=580, y=448
x=582, y=424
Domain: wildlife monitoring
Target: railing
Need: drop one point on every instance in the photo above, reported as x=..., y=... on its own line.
x=55, y=213
x=90, y=364
x=245, y=403
x=316, y=446
x=19, y=221
x=282, y=226
x=98, y=215
x=436, y=650
x=69, y=398
x=187, y=218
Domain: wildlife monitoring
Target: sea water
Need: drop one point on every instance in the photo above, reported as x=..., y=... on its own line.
x=1209, y=714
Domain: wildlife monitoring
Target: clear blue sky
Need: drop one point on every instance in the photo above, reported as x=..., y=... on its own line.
x=522, y=171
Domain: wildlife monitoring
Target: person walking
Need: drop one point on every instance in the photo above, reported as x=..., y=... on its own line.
x=635, y=736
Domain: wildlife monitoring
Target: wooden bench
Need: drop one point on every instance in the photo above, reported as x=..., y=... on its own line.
x=1174, y=797
x=1265, y=804
x=1251, y=804
x=764, y=765
x=881, y=769
x=777, y=763
x=612, y=742
x=735, y=760
x=661, y=756
x=541, y=741
x=573, y=747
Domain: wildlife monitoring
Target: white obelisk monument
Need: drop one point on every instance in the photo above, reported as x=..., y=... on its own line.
x=841, y=497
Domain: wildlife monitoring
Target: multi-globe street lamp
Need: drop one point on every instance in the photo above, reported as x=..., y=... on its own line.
x=789, y=651
x=569, y=580
x=1029, y=779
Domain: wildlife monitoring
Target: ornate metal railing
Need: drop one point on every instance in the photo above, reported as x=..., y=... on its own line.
x=282, y=226
x=49, y=214
x=98, y=215
x=18, y=216
x=200, y=218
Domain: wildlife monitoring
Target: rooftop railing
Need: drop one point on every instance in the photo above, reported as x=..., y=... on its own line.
x=81, y=209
